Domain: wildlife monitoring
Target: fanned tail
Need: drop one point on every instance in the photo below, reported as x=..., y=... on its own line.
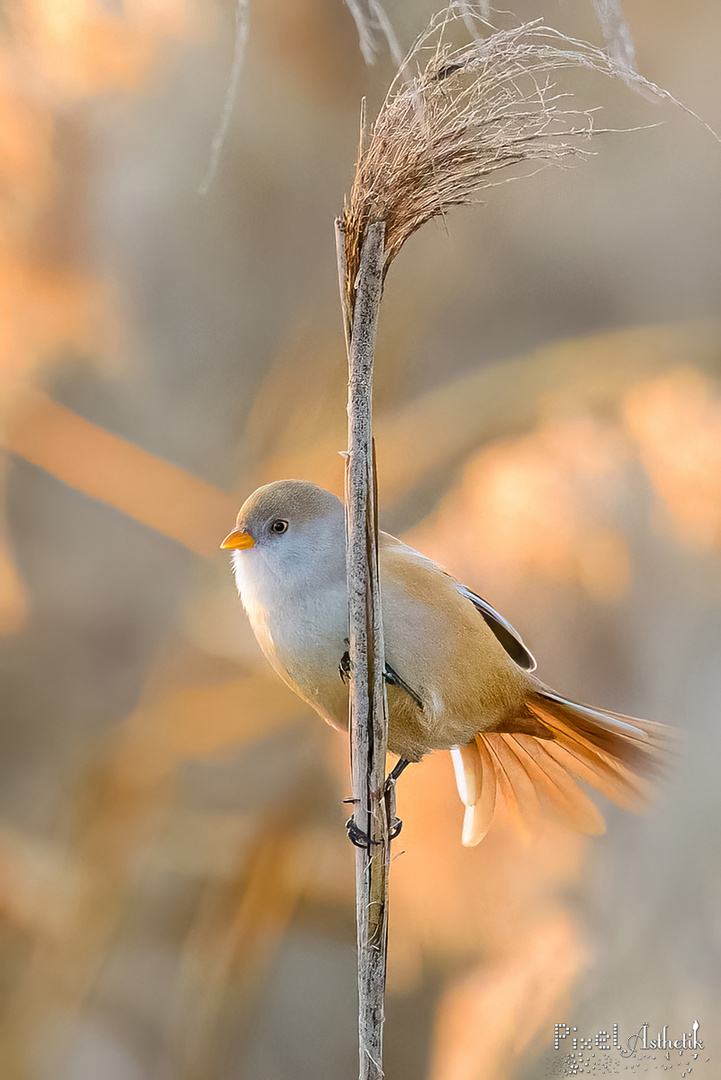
x=528, y=773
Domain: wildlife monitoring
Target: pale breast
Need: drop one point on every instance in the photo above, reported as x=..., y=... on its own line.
x=303, y=635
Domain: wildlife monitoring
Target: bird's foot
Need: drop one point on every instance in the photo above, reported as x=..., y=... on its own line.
x=360, y=839
x=389, y=792
x=355, y=834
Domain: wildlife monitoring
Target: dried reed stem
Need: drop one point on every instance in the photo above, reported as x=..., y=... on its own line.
x=368, y=706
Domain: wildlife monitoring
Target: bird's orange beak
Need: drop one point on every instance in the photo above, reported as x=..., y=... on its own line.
x=238, y=539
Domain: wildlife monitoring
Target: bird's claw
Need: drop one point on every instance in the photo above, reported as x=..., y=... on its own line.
x=356, y=835
x=360, y=839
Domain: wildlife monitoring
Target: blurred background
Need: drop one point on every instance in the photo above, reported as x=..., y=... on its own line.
x=176, y=886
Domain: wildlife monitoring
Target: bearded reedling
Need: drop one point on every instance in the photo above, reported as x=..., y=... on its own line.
x=459, y=676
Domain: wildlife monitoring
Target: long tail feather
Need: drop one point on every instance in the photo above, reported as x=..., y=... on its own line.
x=506, y=791
x=524, y=772
x=638, y=744
x=467, y=767
x=476, y=782
x=523, y=787
x=557, y=788
x=478, y=818
x=631, y=796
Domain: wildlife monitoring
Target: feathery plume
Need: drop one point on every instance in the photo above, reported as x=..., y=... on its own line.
x=455, y=116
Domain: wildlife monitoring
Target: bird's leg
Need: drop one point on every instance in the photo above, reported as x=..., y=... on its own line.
x=396, y=771
x=394, y=823
x=356, y=835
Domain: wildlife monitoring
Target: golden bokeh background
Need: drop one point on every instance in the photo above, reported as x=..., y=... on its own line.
x=176, y=887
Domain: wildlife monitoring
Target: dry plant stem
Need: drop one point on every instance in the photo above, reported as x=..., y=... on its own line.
x=368, y=707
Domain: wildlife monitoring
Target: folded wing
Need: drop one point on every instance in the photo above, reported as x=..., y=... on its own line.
x=509, y=638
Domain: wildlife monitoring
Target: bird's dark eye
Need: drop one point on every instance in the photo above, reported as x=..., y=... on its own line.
x=279, y=526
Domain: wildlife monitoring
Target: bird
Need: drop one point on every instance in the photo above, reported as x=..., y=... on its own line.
x=459, y=676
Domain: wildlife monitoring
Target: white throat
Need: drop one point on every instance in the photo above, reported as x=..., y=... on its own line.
x=294, y=592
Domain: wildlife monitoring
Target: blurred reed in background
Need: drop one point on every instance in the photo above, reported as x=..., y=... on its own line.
x=176, y=885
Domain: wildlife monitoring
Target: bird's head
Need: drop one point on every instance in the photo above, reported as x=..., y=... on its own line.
x=290, y=528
